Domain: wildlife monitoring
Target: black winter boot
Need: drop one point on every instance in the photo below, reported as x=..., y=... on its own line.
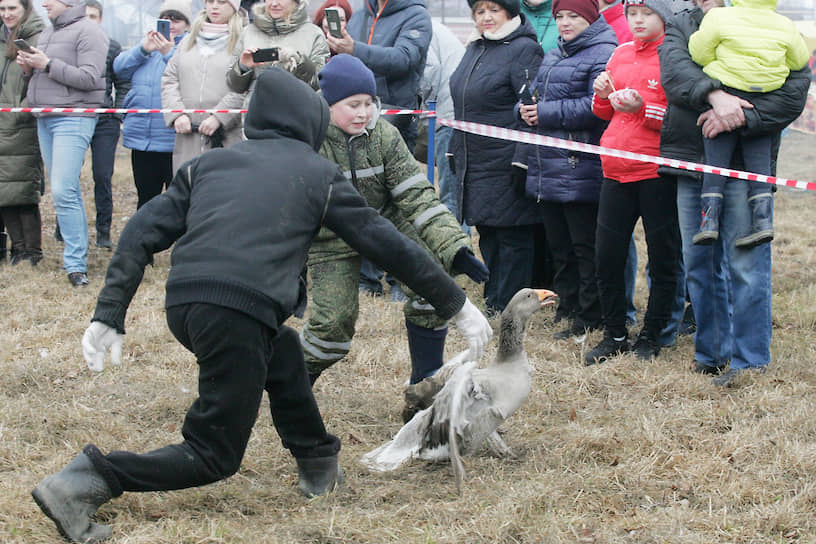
x=761, y=222
x=71, y=496
x=710, y=225
x=319, y=475
x=2, y=246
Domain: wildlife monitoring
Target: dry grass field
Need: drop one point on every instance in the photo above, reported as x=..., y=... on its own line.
x=625, y=452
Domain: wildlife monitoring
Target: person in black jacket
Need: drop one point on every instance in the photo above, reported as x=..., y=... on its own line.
x=502, y=55
x=242, y=220
x=106, y=136
x=729, y=287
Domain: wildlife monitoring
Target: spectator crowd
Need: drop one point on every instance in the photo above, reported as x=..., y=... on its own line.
x=648, y=76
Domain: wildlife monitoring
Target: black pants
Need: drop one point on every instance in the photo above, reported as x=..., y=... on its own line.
x=508, y=254
x=103, y=155
x=152, y=173
x=655, y=201
x=571, y=239
x=24, y=228
x=238, y=358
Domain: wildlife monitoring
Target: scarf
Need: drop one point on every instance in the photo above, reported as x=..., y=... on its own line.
x=212, y=38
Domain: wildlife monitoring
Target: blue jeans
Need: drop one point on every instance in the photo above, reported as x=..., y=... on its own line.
x=729, y=287
x=63, y=143
x=629, y=278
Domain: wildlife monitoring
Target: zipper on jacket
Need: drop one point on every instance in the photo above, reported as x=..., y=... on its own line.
x=464, y=136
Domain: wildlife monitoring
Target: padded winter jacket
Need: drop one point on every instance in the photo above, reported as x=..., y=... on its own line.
x=634, y=65
x=485, y=88
x=687, y=88
x=564, y=86
x=242, y=219
x=748, y=46
x=396, y=52
x=296, y=33
x=379, y=165
x=144, y=131
x=77, y=48
x=21, y=169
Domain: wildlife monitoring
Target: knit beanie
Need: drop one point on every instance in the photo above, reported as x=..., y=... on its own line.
x=588, y=9
x=182, y=6
x=344, y=76
x=236, y=5
x=661, y=7
x=512, y=7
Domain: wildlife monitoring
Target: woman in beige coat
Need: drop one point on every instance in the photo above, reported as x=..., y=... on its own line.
x=194, y=79
x=283, y=24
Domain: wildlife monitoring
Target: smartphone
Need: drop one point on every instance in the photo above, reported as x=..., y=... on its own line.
x=525, y=95
x=266, y=55
x=163, y=28
x=333, y=21
x=23, y=45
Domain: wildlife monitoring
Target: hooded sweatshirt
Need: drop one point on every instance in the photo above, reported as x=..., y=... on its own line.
x=748, y=46
x=243, y=219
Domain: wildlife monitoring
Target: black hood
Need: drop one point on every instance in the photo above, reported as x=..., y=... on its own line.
x=283, y=106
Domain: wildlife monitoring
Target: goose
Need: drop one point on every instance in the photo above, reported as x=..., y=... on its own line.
x=472, y=403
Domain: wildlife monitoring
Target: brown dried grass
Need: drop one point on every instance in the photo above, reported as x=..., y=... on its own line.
x=623, y=452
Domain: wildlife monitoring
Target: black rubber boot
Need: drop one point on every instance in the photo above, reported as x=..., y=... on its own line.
x=427, y=347
x=761, y=222
x=319, y=475
x=3, y=246
x=710, y=225
x=71, y=496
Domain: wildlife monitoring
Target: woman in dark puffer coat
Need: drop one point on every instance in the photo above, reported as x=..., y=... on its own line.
x=484, y=87
x=566, y=184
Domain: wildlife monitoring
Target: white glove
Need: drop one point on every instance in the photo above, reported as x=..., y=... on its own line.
x=475, y=327
x=98, y=338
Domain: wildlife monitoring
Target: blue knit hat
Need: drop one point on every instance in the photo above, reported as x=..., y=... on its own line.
x=344, y=76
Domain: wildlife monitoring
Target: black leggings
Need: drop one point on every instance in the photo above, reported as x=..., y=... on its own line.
x=238, y=358
x=655, y=201
x=152, y=173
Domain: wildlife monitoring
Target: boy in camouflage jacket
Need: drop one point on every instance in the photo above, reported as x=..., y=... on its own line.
x=376, y=160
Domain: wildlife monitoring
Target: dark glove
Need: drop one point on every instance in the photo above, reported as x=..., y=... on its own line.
x=518, y=176
x=466, y=263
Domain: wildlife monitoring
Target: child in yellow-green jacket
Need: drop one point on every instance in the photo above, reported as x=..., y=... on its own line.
x=750, y=49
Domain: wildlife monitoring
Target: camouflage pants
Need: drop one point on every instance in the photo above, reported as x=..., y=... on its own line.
x=334, y=307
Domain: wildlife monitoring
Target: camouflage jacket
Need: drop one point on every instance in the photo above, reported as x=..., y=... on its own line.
x=382, y=169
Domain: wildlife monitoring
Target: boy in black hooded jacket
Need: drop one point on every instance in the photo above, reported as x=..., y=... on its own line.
x=242, y=220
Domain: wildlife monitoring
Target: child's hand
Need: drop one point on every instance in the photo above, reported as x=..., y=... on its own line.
x=603, y=85
x=626, y=101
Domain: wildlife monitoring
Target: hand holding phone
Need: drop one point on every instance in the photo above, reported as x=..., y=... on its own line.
x=526, y=96
x=333, y=22
x=163, y=28
x=268, y=54
x=23, y=45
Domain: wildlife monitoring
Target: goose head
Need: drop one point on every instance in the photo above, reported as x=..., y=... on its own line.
x=514, y=318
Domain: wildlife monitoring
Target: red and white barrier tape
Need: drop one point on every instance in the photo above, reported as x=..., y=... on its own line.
x=537, y=139
x=492, y=132
x=125, y=110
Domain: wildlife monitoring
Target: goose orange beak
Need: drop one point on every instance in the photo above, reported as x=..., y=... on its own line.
x=546, y=297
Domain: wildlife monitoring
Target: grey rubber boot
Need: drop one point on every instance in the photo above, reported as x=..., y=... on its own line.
x=71, y=496
x=319, y=475
x=710, y=224
x=761, y=222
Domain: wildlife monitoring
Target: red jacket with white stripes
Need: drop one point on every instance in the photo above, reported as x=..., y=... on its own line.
x=633, y=65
